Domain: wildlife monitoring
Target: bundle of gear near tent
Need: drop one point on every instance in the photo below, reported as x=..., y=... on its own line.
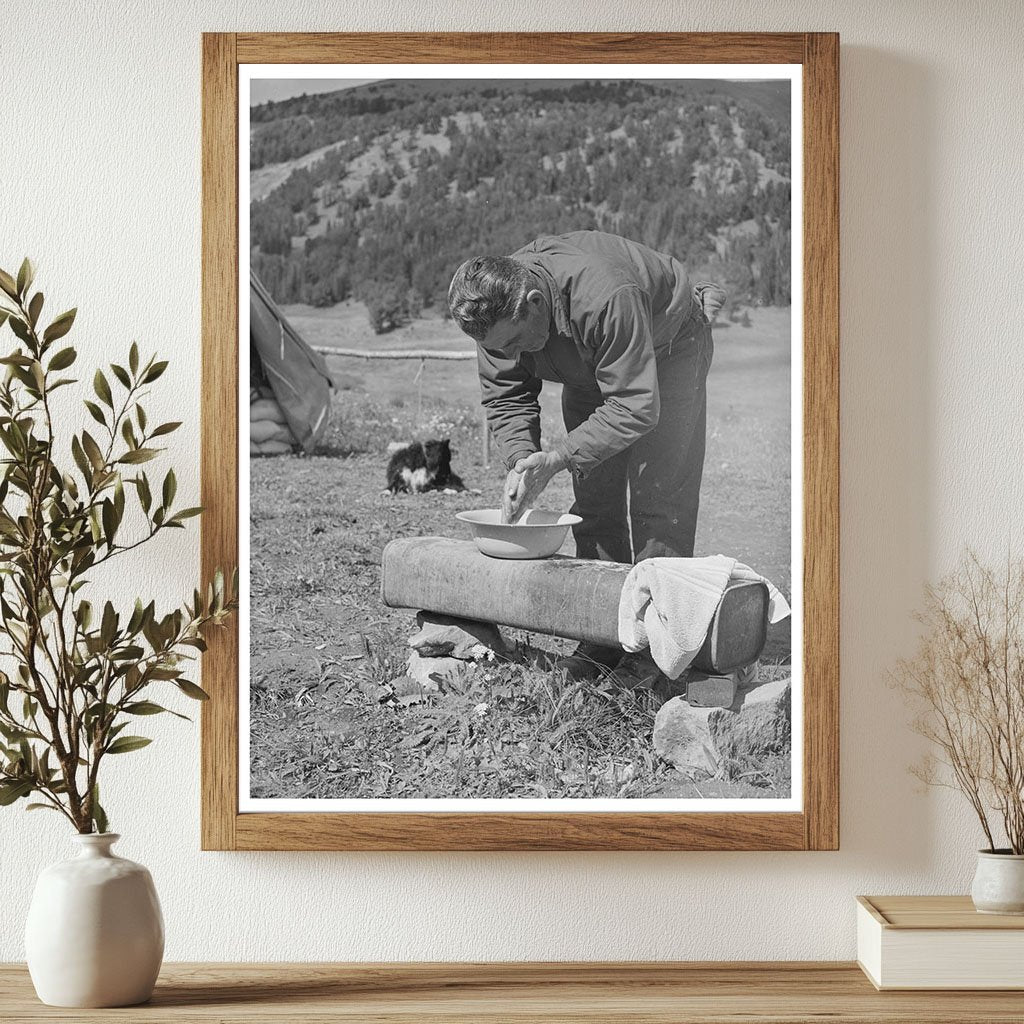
x=289, y=386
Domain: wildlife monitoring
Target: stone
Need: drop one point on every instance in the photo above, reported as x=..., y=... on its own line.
x=444, y=636
x=763, y=725
x=711, y=691
x=760, y=693
x=708, y=738
x=682, y=736
x=430, y=673
x=407, y=691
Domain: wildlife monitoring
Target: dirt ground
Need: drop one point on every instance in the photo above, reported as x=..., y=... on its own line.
x=323, y=646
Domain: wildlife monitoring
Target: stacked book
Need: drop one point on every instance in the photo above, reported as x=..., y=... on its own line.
x=938, y=942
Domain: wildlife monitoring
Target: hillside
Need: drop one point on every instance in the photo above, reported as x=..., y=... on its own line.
x=377, y=193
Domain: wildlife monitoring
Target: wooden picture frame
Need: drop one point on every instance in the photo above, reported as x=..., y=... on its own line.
x=816, y=826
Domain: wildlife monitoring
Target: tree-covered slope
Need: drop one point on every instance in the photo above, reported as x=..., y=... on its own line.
x=379, y=192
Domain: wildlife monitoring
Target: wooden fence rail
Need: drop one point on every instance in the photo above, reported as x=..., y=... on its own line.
x=422, y=355
x=361, y=353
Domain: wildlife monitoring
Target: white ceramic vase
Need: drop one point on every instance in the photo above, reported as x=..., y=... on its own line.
x=95, y=933
x=999, y=882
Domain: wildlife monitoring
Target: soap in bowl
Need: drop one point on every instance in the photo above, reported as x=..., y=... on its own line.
x=538, y=534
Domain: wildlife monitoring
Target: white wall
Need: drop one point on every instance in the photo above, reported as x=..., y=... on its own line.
x=100, y=183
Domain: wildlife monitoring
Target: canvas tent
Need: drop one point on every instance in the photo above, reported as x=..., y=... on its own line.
x=289, y=386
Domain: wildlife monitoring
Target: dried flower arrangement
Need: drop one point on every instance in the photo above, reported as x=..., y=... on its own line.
x=967, y=683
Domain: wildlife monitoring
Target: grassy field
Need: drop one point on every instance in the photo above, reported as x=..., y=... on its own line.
x=325, y=723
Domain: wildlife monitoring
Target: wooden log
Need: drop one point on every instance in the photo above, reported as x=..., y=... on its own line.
x=570, y=597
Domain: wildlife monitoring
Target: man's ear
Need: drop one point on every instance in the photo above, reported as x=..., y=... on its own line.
x=535, y=298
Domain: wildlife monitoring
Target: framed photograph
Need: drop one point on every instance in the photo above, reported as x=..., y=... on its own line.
x=520, y=418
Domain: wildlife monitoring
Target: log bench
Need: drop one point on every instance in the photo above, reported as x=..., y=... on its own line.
x=575, y=598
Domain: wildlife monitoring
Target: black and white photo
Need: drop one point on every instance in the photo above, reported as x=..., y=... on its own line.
x=520, y=468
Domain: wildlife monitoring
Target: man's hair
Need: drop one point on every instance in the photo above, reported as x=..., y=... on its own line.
x=487, y=289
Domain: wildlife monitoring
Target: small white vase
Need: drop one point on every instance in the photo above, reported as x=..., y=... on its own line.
x=999, y=882
x=95, y=934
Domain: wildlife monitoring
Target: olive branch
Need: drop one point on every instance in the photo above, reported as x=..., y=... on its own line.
x=80, y=674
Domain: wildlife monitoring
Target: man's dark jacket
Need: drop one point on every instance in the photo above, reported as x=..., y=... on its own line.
x=616, y=307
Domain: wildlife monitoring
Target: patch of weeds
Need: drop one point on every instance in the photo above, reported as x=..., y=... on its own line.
x=385, y=659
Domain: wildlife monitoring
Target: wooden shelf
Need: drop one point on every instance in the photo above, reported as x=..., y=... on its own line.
x=659, y=993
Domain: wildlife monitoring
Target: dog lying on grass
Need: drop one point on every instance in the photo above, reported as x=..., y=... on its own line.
x=423, y=466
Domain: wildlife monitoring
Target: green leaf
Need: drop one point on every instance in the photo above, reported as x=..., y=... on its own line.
x=138, y=455
x=108, y=626
x=99, y=816
x=140, y=415
x=130, y=653
x=81, y=461
x=26, y=274
x=95, y=412
x=191, y=690
x=121, y=374
x=12, y=733
x=16, y=359
x=133, y=358
x=143, y=707
x=145, y=497
x=128, y=433
x=171, y=674
x=63, y=359
x=137, y=616
x=165, y=428
x=35, y=308
x=185, y=513
x=8, y=284
x=126, y=744
x=109, y=522
x=20, y=329
x=147, y=707
x=155, y=371
x=14, y=790
x=102, y=388
x=60, y=326
x=92, y=449
x=170, y=488
x=83, y=613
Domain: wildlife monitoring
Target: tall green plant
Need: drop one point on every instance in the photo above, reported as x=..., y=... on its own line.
x=80, y=671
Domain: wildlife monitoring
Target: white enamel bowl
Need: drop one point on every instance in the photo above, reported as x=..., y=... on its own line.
x=538, y=534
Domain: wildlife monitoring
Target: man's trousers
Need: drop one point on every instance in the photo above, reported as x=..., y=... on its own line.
x=660, y=472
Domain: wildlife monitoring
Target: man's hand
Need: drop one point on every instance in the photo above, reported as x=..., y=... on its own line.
x=711, y=297
x=527, y=480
